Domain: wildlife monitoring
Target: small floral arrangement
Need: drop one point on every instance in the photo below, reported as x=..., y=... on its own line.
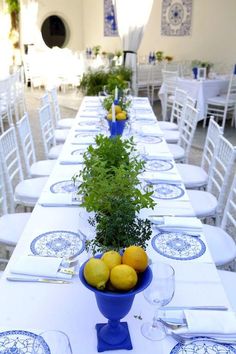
x=123, y=102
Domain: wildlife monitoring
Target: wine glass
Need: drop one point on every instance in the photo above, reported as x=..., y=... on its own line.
x=57, y=341
x=159, y=293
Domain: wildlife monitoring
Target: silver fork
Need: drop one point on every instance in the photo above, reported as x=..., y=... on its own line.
x=183, y=340
x=172, y=325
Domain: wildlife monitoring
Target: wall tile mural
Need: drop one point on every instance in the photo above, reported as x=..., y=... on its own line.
x=110, y=24
x=176, y=17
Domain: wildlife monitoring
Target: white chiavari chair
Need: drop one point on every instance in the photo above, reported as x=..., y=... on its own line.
x=11, y=225
x=197, y=176
x=60, y=134
x=210, y=203
x=51, y=150
x=181, y=150
x=221, y=244
x=61, y=123
x=33, y=168
x=169, y=79
x=22, y=191
x=143, y=79
x=155, y=80
x=5, y=103
x=221, y=106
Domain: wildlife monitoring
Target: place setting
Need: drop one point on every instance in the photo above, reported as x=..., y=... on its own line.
x=20, y=341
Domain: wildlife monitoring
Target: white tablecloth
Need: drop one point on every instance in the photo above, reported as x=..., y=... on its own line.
x=72, y=308
x=201, y=90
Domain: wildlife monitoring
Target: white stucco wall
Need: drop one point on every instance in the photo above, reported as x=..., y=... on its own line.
x=213, y=34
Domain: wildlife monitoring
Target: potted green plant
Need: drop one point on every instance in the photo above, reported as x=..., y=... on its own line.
x=111, y=189
x=159, y=55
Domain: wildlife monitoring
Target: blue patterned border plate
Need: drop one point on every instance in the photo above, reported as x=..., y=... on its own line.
x=178, y=245
x=158, y=165
x=79, y=152
x=150, y=139
x=167, y=191
x=58, y=243
x=203, y=346
x=67, y=186
x=21, y=342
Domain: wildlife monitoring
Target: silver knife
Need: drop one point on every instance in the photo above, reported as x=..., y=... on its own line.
x=208, y=308
x=38, y=280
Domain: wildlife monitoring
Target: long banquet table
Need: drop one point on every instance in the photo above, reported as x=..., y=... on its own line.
x=71, y=307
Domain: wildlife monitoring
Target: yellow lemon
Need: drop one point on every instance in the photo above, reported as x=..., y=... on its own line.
x=109, y=116
x=118, y=109
x=135, y=257
x=111, y=258
x=96, y=273
x=121, y=116
x=123, y=277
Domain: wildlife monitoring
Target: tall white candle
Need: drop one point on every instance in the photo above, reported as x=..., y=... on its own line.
x=116, y=94
x=113, y=111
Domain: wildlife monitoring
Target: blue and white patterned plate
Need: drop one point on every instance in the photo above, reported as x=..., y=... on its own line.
x=67, y=186
x=21, y=342
x=203, y=346
x=58, y=243
x=89, y=124
x=158, y=165
x=167, y=191
x=150, y=139
x=77, y=152
x=85, y=134
x=178, y=245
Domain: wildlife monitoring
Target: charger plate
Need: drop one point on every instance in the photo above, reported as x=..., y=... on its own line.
x=21, y=342
x=203, y=346
x=178, y=245
x=150, y=139
x=66, y=186
x=159, y=165
x=58, y=243
x=167, y=191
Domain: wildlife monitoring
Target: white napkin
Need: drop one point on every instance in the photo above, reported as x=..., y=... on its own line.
x=87, y=128
x=178, y=223
x=146, y=117
x=71, y=159
x=151, y=130
x=88, y=114
x=39, y=266
x=58, y=199
x=83, y=140
x=221, y=323
x=159, y=151
x=155, y=177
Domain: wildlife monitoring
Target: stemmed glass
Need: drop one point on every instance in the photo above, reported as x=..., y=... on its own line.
x=159, y=293
x=57, y=342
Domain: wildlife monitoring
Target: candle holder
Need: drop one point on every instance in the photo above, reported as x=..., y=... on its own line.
x=114, y=306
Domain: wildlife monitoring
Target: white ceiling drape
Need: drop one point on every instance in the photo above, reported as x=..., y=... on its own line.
x=132, y=16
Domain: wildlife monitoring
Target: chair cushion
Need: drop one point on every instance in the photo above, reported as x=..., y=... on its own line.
x=65, y=123
x=177, y=151
x=228, y=280
x=220, y=243
x=220, y=100
x=28, y=191
x=204, y=203
x=168, y=126
x=12, y=226
x=61, y=135
x=171, y=136
x=192, y=176
x=55, y=152
x=42, y=168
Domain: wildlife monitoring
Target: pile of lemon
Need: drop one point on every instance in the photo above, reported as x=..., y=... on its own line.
x=120, y=115
x=115, y=272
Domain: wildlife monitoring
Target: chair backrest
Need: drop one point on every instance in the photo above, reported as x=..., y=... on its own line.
x=179, y=106
x=187, y=129
x=170, y=81
x=3, y=200
x=10, y=159
x=222, y=167
x=229, y=216
x=45, y=99
x=27, y=144
x=232, y=87
x=214, y=132
x=156, y=74
x=191, y=101
x=55, y=105
x=143, y=74
x=5, y=102
x=47, y=129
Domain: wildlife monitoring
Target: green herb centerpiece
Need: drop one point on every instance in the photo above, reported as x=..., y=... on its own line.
x=111, y=188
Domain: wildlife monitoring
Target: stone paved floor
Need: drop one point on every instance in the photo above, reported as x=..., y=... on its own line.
x=69, y=104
